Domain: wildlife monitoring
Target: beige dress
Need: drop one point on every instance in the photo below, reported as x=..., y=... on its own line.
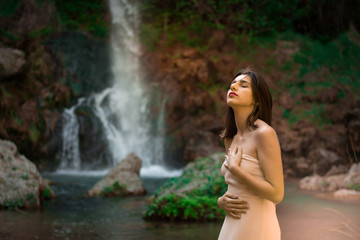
x=260, y=222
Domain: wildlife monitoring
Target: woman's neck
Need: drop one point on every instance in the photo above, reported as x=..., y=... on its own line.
x=241, y=114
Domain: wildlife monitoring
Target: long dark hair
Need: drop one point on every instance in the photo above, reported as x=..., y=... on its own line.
x=262, y=108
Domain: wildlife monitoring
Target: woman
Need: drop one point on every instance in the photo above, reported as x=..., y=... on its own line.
x=252, y=167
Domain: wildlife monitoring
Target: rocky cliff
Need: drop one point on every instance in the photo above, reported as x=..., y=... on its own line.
x=195, y=84
x=45, y=68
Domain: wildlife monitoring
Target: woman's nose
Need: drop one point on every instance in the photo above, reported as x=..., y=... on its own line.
x=232, y=87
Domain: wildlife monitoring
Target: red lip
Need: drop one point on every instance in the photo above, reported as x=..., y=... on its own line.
x=232, y=94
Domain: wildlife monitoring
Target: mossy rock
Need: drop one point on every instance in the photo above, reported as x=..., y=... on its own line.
x=193, y=196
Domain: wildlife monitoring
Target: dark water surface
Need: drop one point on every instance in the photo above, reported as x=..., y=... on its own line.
x=72, y=215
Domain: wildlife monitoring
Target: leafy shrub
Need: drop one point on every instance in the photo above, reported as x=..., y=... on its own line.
x=192, y=196
x=176, y=207
x=47, y=193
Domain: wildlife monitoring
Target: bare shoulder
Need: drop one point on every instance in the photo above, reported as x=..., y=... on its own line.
x=264, y=131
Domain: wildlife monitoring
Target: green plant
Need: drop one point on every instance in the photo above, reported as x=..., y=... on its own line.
x=114, y=190
x=34, y=133
x=47, y=193
x=176, y=207
x=315, y=114
x=354, y=186
x=193, y=196
x=14, y=204
x=41, y=32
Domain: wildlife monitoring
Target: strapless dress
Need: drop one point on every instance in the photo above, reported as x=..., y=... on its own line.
x=260, y=221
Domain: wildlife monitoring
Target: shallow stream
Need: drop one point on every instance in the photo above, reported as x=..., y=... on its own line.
x=72, y=215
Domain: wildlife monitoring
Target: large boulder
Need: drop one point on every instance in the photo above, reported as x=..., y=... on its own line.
x=122, y=180
x=323, y=160
x=21, y=185
x=350, y=180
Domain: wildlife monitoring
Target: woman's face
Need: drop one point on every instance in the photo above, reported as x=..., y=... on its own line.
x=240, y=93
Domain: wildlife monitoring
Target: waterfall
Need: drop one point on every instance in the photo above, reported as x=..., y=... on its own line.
x=70, y=154
x=126, y=109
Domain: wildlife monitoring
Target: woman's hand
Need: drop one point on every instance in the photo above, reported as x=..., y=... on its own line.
x=233, y=158
x=233, y=205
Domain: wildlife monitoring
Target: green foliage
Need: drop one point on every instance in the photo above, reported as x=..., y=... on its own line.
x=193, y=196
x=176, y=207
x=191, y=22
x=85, y=15
x=14, y=204
x=114, y=190
x=149, y=35
x=354, y=186
x=34, y=133
x=10, y=36
x=47, y=193
x=321, y=66
x=41, y=32
x=17, y=119
x=315, y=115
x=338, y=57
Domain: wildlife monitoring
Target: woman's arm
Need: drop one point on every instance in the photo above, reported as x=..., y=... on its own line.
x=269, y=155
x=229, y=202
x=233, y=205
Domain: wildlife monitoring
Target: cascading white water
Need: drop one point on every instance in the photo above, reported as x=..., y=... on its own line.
x=70, y=154
x=124, y=108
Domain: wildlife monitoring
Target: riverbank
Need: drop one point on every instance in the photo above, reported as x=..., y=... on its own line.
x=74, y=216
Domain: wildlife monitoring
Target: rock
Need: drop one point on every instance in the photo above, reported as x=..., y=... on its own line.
x=29, y=112
x=204, y=143
x=30, y=16
x=21, y=185
x=11, y=62
x=337, y=114
x=191, y=53
x=328, y=95
x=285, y=51
x=347, y=194
x=217, y=39
x=303, y=166
x=84, y=59
x=122, y=180
x=350, y=180
x=352, y=123
x=194, y=69
x=337, y=169
x=317, y=182
x=56, y=95
x=286, y=100
x=333, y=138
x=323, y=160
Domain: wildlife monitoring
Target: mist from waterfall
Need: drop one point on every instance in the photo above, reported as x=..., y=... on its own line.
x=124, y=108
